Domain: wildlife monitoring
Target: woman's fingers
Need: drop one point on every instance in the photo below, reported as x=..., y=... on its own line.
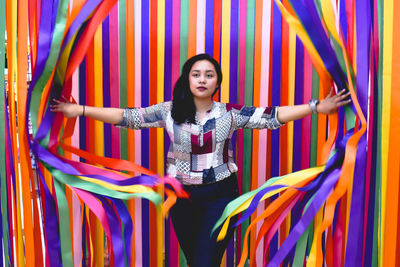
x=340, y=94
x=342, y=103
x=342, y=100
x=58, y=106
x=330, y=93
x=339, y=97
x=344, y=96
x=332, y=102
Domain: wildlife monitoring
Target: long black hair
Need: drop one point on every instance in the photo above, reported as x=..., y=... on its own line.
x=183, y=109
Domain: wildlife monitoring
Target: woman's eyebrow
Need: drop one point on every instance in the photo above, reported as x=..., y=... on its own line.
x=200, y=70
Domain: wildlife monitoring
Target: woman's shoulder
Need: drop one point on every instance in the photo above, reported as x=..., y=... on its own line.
x=165, y=106
x=168, y=105
x=232, y=106
x=226, y=107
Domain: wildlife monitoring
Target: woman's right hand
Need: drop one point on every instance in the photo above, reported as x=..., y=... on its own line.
x=70, y=110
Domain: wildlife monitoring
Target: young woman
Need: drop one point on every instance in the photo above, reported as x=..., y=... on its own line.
x=200, y=155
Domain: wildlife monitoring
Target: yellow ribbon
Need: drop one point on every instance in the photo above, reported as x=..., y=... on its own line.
x=288, y=180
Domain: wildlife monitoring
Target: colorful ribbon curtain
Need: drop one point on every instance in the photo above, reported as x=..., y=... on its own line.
x=319, y=190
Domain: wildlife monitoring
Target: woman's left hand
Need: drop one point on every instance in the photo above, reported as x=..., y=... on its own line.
x=330, y=104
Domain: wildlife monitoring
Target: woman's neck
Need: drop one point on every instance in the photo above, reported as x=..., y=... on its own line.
x=203, y=105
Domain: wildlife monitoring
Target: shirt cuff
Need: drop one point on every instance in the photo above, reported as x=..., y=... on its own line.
x=124, y=121
x=277, y=122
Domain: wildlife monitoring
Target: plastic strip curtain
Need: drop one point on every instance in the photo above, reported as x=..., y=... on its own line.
x=321, y=189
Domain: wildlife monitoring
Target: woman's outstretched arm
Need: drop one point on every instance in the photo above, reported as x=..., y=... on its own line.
x=328, y=106
x=71, y=110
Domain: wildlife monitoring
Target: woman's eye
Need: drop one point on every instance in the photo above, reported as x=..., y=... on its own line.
x=195, y=75
x=210, y=76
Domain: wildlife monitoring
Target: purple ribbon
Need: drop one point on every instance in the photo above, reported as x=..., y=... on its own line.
x=45, y=125
x=320, y=197
x=372, y=135
x=82, y=101
x=49, y=9
x=343, y=20
x=311, y=21
x=276, y=85
x=115, y=231
x=86, y=10
x=167, y=96
x=356, y=223
x=276, y=100
x=333, y=163
x=209, y=42
x=128, y=226
x=298, y=100
x=54, y=161
x=106, y=85
x=52, y=235
x=168, y=52
x=332, y=174
x=168, y=87
x=233, y=74
x=145, y=132
x=79, y=20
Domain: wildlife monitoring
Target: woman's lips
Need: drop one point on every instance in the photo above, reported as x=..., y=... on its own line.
x=201, y=88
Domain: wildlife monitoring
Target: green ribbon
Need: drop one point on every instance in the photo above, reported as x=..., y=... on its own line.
x=234, y=204
x=50, y=63
x=305, y=240
x=184, y=34
x=314, y=121
x=123, y=73
x=248, y=101
x=301, y=247
x=36, y=96
x=378, y=185
x=184, y=43
x=60, y=180
x=98, y=189
x=64, y=227
x=4, y=200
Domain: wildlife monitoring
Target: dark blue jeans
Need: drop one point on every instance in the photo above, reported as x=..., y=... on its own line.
x=194, y=219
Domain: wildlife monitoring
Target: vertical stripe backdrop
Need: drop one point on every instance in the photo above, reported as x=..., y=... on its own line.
x=321, y=190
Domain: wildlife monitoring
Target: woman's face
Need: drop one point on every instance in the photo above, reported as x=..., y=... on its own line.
x=203, y=79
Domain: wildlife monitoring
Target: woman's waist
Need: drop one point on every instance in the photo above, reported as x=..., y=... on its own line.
x=190, y=176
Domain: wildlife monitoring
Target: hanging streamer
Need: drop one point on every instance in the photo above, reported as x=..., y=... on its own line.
x=323, y=189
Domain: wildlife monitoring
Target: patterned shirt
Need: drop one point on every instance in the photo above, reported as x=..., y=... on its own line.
x=202, y=152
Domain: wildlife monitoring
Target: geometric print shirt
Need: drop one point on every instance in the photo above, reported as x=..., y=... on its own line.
x=201, y=152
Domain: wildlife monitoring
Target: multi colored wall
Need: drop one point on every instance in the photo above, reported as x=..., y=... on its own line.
x=321, y=190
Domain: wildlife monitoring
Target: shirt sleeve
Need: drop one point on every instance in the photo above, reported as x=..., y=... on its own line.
x=150, y=117
x=246, y=117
